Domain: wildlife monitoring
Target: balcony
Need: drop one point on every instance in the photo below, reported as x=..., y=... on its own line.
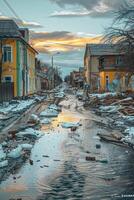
x=114, y=66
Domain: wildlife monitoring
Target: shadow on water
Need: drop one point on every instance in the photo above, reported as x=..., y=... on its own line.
x=69, y=185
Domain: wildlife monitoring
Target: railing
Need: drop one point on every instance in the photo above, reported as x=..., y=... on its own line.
x=112, y=66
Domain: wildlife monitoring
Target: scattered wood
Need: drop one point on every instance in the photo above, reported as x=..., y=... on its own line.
x=117, y=135
x=109, y=138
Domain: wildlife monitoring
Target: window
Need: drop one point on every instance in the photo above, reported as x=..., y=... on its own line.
x=118, y=60
x=7, y=54
x=8, y=79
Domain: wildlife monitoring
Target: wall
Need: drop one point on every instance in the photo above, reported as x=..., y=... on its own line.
x=9, y=68
x=112, y=77
x=31, y=70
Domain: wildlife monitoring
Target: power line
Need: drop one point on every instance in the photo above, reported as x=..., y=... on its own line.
x=14, y=12
x=11, y=9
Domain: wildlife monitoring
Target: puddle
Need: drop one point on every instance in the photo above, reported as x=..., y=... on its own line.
x=60, y=170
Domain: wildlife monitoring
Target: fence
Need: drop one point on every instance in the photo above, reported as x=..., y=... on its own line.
x=6, y=91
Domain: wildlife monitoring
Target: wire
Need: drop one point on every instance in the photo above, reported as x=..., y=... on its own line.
x=13, y=11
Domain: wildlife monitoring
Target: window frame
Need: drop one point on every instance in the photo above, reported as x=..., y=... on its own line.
x=6, y=52
x=6, y=76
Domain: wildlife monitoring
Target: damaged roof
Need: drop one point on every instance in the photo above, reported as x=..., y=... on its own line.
x=8, y=28
x=102, y=49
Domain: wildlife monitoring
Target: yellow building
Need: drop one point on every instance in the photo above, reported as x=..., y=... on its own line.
x=112, y=72
x=103, y=66
x=18, y=58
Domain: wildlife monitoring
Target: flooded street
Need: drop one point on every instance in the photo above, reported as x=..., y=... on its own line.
x=60, y=169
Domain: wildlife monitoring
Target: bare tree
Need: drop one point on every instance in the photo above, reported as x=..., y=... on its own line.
x=122, y=32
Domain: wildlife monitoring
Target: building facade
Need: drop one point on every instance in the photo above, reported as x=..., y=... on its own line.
x=112, y=72
x=17, y=58
x=103, y=67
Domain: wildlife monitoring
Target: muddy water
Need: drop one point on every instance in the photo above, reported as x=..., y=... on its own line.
x=60, y=170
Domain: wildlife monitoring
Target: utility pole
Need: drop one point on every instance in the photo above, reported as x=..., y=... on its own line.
x=52, y=61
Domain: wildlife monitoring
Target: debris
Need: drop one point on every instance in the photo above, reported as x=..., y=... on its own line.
x=70, y=124
x=12, y=134
x=45, y=121
x=31, y=162
x=60, y=95
x=103, y=161
x=98, y=146
x=15, y=153
x=88, y=152
x=2, y=154
x=49, y=113
x=4, y=144
x=45, y=156
x=4, y=163
x=34, y=119
x=26, y=146
x=46, y=166
x=117, y=135
x=54, y=107
x=109, y=138
x=73, y=128
x=30, y=132
x=90, y=158
x=109, y=109
x=56, y=160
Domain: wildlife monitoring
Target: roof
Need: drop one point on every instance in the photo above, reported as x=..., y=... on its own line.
x=102, y=49
x=9, y=29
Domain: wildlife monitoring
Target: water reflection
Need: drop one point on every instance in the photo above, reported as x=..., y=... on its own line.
x=69, y=185
x=60, y=170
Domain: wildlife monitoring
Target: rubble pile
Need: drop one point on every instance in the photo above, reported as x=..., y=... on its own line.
x=11, y=111
x=14, y=151
x=120, y=110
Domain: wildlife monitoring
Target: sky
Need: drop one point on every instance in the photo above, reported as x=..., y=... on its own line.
x=63, y=26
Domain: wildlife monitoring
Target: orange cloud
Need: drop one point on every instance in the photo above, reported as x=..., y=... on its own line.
x=61, y=41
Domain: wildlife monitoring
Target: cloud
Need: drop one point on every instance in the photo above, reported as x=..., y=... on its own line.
x=47, y=42
x=22, y=23
x=94, y=8
x=69, y=13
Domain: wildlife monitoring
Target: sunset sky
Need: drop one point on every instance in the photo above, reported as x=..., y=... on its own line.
x=63, y=26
